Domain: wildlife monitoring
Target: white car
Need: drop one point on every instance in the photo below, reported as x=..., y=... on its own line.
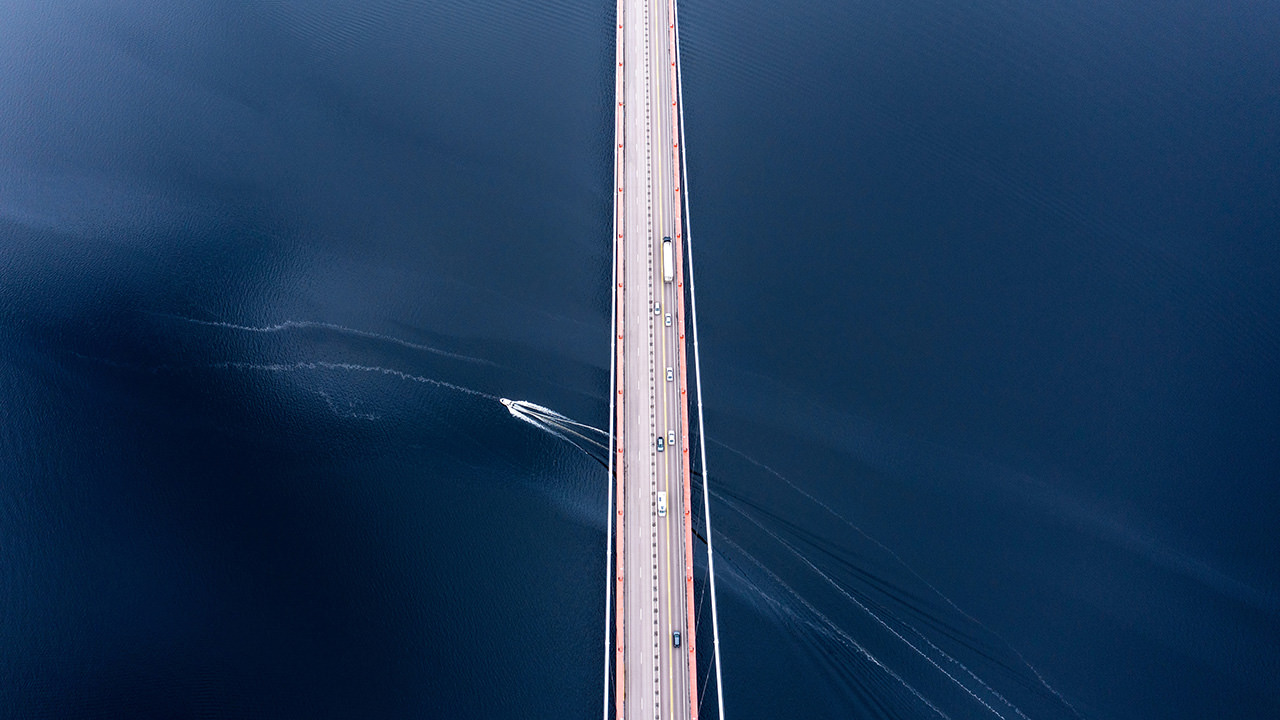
x=671, y=374
x=668, y=319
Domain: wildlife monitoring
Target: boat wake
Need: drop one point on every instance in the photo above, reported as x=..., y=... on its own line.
x=759, y=580
x=562, y=427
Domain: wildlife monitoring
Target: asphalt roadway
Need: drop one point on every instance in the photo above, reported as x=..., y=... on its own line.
x=653, y=676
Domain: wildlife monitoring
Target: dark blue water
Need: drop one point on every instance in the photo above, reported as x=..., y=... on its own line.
x=990, y=311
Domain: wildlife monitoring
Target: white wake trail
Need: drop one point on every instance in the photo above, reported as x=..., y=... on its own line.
x=559, y=422
x=903, y=563
x=529, y=419
x=351, y=367
x=551, y=416
x=303, y=324
x=536, y=408
x=555, y=427
x=834, y=629
x=849, y=596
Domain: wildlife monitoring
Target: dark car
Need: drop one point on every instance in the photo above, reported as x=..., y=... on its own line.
x=675, y=638
x=660, y=443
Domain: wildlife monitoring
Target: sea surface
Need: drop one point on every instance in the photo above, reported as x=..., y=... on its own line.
x=989, y=303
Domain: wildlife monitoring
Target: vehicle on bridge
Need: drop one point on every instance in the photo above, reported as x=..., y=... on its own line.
x=660, y=444
x=668, y=262
x=675, y=638
x=662, y=503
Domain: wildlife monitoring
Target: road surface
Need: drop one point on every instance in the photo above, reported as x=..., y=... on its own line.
x=654, y=678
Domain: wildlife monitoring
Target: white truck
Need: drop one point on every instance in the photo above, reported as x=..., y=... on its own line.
x=668, y=261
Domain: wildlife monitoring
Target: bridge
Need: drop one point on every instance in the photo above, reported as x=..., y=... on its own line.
x=652, y=644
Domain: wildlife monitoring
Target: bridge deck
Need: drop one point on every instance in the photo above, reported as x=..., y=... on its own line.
x=654, y=679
